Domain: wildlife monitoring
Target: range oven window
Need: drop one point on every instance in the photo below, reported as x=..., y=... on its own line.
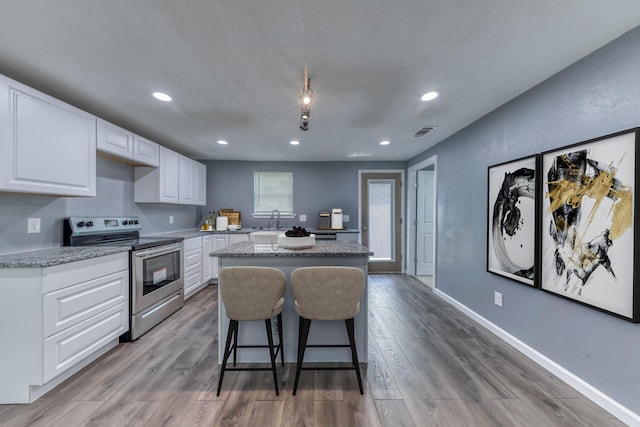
x=159, y=271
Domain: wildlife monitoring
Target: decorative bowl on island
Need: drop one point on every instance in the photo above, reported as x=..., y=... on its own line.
x=296, y=238
x=296, y=242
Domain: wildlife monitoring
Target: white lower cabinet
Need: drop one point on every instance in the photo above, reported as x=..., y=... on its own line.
x=206, y=262
x=221, y=241
x=56, y=320
x=192, y=266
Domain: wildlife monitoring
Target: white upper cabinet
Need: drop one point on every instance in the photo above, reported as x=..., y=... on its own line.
x=47, y=146
x=114, y=140
x=119, y=143
x=173, y=181
x=145, y=151
x=186, y=180
x=200, y=184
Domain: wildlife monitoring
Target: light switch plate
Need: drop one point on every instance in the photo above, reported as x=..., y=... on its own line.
x=497, y=299
x=303, y=218
x=170, y=219
x=33, y=225
x=345, y=218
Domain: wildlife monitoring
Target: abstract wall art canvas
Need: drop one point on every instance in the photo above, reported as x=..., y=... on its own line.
x=588, y=228
x=511, y=232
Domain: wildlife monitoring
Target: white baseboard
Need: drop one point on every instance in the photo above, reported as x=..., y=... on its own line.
x=615, y=408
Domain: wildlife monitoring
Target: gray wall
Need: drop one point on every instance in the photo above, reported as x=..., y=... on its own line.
x=594, y=97
x=317, y=186
x=114, y=196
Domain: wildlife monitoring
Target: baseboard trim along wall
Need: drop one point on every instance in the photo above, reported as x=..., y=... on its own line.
x=621, y=412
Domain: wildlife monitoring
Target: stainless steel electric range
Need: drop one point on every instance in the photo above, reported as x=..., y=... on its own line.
x=156, y=270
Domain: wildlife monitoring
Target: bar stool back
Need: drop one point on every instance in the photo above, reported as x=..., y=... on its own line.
x=327, y=293
x=252, y=293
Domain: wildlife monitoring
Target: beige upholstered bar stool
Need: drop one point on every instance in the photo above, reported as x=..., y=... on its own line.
x=327, y=293
x=252, y=293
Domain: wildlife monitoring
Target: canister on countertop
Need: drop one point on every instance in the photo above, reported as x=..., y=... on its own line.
x=325, y=220
x=336, y=218
x=222, y=222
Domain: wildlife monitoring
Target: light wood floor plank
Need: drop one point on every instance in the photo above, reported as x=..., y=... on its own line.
x=429, y=365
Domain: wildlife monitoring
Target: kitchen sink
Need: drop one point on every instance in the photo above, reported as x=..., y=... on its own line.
x=265, y=236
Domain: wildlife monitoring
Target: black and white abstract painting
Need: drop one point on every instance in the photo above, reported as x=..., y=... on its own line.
x=587, y=235
x=511, y=235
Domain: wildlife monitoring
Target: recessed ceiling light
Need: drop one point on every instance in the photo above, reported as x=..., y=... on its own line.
x=429, y=96
x=222, y=142
x=294, y=142
x=161, y=96
x=385, y=142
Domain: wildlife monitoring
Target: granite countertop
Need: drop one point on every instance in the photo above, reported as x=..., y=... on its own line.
x=320, y=249
x=196, y=232
x=53, y=256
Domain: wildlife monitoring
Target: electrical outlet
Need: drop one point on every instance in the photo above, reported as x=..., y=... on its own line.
x=497, y=299
x=303, y=218
x=345, y=218
x=170, y=219
x=33, y=225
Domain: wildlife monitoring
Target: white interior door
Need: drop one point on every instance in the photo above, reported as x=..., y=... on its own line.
x=425, y=213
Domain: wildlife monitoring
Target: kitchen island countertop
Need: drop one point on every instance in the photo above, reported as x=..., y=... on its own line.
x=320, y=249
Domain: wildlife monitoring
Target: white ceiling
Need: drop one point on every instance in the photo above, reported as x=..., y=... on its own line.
x=235, y=68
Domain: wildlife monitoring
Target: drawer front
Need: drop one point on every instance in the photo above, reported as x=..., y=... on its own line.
x=192, y=279
x=73, y=304
x=65, y=349
x=193, y=258
x=193, y=243
x=73, y=273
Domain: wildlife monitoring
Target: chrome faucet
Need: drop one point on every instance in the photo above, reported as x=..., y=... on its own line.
x=271, y=219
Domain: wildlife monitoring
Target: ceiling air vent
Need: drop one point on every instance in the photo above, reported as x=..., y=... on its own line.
x=422, y=132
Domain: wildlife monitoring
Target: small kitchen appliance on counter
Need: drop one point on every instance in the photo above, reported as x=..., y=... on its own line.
x=336, y=218
x=325, y=221
x=156, y=270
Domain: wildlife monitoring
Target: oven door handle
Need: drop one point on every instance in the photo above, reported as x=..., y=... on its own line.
x=159, y=251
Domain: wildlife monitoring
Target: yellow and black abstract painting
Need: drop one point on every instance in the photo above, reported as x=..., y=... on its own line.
x=587, y=223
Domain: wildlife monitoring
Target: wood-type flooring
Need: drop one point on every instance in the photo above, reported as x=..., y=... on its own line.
x=429, y=365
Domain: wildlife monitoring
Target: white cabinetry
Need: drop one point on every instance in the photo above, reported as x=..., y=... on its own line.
x=200, y=184
x=56, y=320
x=145, y=151
x=206, y=261
x=187, y=186
x=218, y=241
x=192, y=266
x=48, y=146
x=173, y=181
x=221, y=241
x=121, y=144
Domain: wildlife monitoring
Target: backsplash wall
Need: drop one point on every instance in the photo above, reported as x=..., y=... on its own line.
x=317, y=186
x=114, y=197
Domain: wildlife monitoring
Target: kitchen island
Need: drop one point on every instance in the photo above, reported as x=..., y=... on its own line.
x=323, y=253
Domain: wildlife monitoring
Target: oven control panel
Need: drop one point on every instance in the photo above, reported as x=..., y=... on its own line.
x=101, y=225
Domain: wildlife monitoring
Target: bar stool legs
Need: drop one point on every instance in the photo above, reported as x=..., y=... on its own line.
x=354, y=353
x=232, y=336
x=303, y=334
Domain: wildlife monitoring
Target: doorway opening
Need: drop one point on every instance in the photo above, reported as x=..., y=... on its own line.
x=381, y=202
x=421, y=221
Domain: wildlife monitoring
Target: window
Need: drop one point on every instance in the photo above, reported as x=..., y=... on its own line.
x=272, y=190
